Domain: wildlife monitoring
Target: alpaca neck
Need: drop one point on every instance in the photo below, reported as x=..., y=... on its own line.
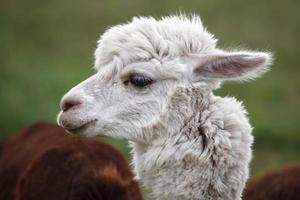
x=207, y=158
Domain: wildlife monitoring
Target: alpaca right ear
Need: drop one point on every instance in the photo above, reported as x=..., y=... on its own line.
x=241, y=65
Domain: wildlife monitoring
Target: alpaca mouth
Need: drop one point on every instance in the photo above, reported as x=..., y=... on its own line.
x=81, y=128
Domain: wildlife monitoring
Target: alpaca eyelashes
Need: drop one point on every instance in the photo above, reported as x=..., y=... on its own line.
x=139, y=80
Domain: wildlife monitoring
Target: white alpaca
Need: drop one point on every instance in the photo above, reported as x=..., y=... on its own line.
x=154, y=87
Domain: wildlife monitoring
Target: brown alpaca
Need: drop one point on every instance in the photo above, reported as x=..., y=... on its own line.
x=283, y=184
x=45, y=163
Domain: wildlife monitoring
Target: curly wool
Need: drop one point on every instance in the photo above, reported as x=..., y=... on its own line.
x=207, y=158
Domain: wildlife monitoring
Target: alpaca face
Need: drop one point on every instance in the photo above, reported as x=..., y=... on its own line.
x=139, y=66
x=121, y=104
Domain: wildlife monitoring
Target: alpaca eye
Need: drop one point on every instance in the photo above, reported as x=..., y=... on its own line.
x=139, y=80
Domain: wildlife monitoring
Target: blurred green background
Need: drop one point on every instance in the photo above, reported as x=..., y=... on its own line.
x=46, y=47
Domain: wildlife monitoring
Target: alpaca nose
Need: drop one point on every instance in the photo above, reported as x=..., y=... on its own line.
x=69, y=102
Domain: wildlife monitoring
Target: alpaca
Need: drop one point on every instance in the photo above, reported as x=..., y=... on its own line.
x=43, y=162
x=283, y=184
x=154, y=87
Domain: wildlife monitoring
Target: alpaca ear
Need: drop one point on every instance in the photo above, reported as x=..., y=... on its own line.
x=230, y=65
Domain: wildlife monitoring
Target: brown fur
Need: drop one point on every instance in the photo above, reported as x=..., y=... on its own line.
x=44, y=162
x=281, y=184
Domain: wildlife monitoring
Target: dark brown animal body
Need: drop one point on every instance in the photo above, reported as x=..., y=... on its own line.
x=283, y=184
x=43, y=162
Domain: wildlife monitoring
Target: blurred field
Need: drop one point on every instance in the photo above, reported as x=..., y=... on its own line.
x=46, y=47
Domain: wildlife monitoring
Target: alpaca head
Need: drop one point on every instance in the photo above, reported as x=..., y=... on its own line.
x=139, y=66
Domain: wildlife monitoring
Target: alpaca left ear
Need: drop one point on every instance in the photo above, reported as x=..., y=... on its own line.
x=221, y=65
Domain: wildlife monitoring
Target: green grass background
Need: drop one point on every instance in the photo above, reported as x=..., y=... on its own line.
x=46, y=47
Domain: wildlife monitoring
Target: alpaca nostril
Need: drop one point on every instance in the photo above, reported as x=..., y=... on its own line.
x=67, y=104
